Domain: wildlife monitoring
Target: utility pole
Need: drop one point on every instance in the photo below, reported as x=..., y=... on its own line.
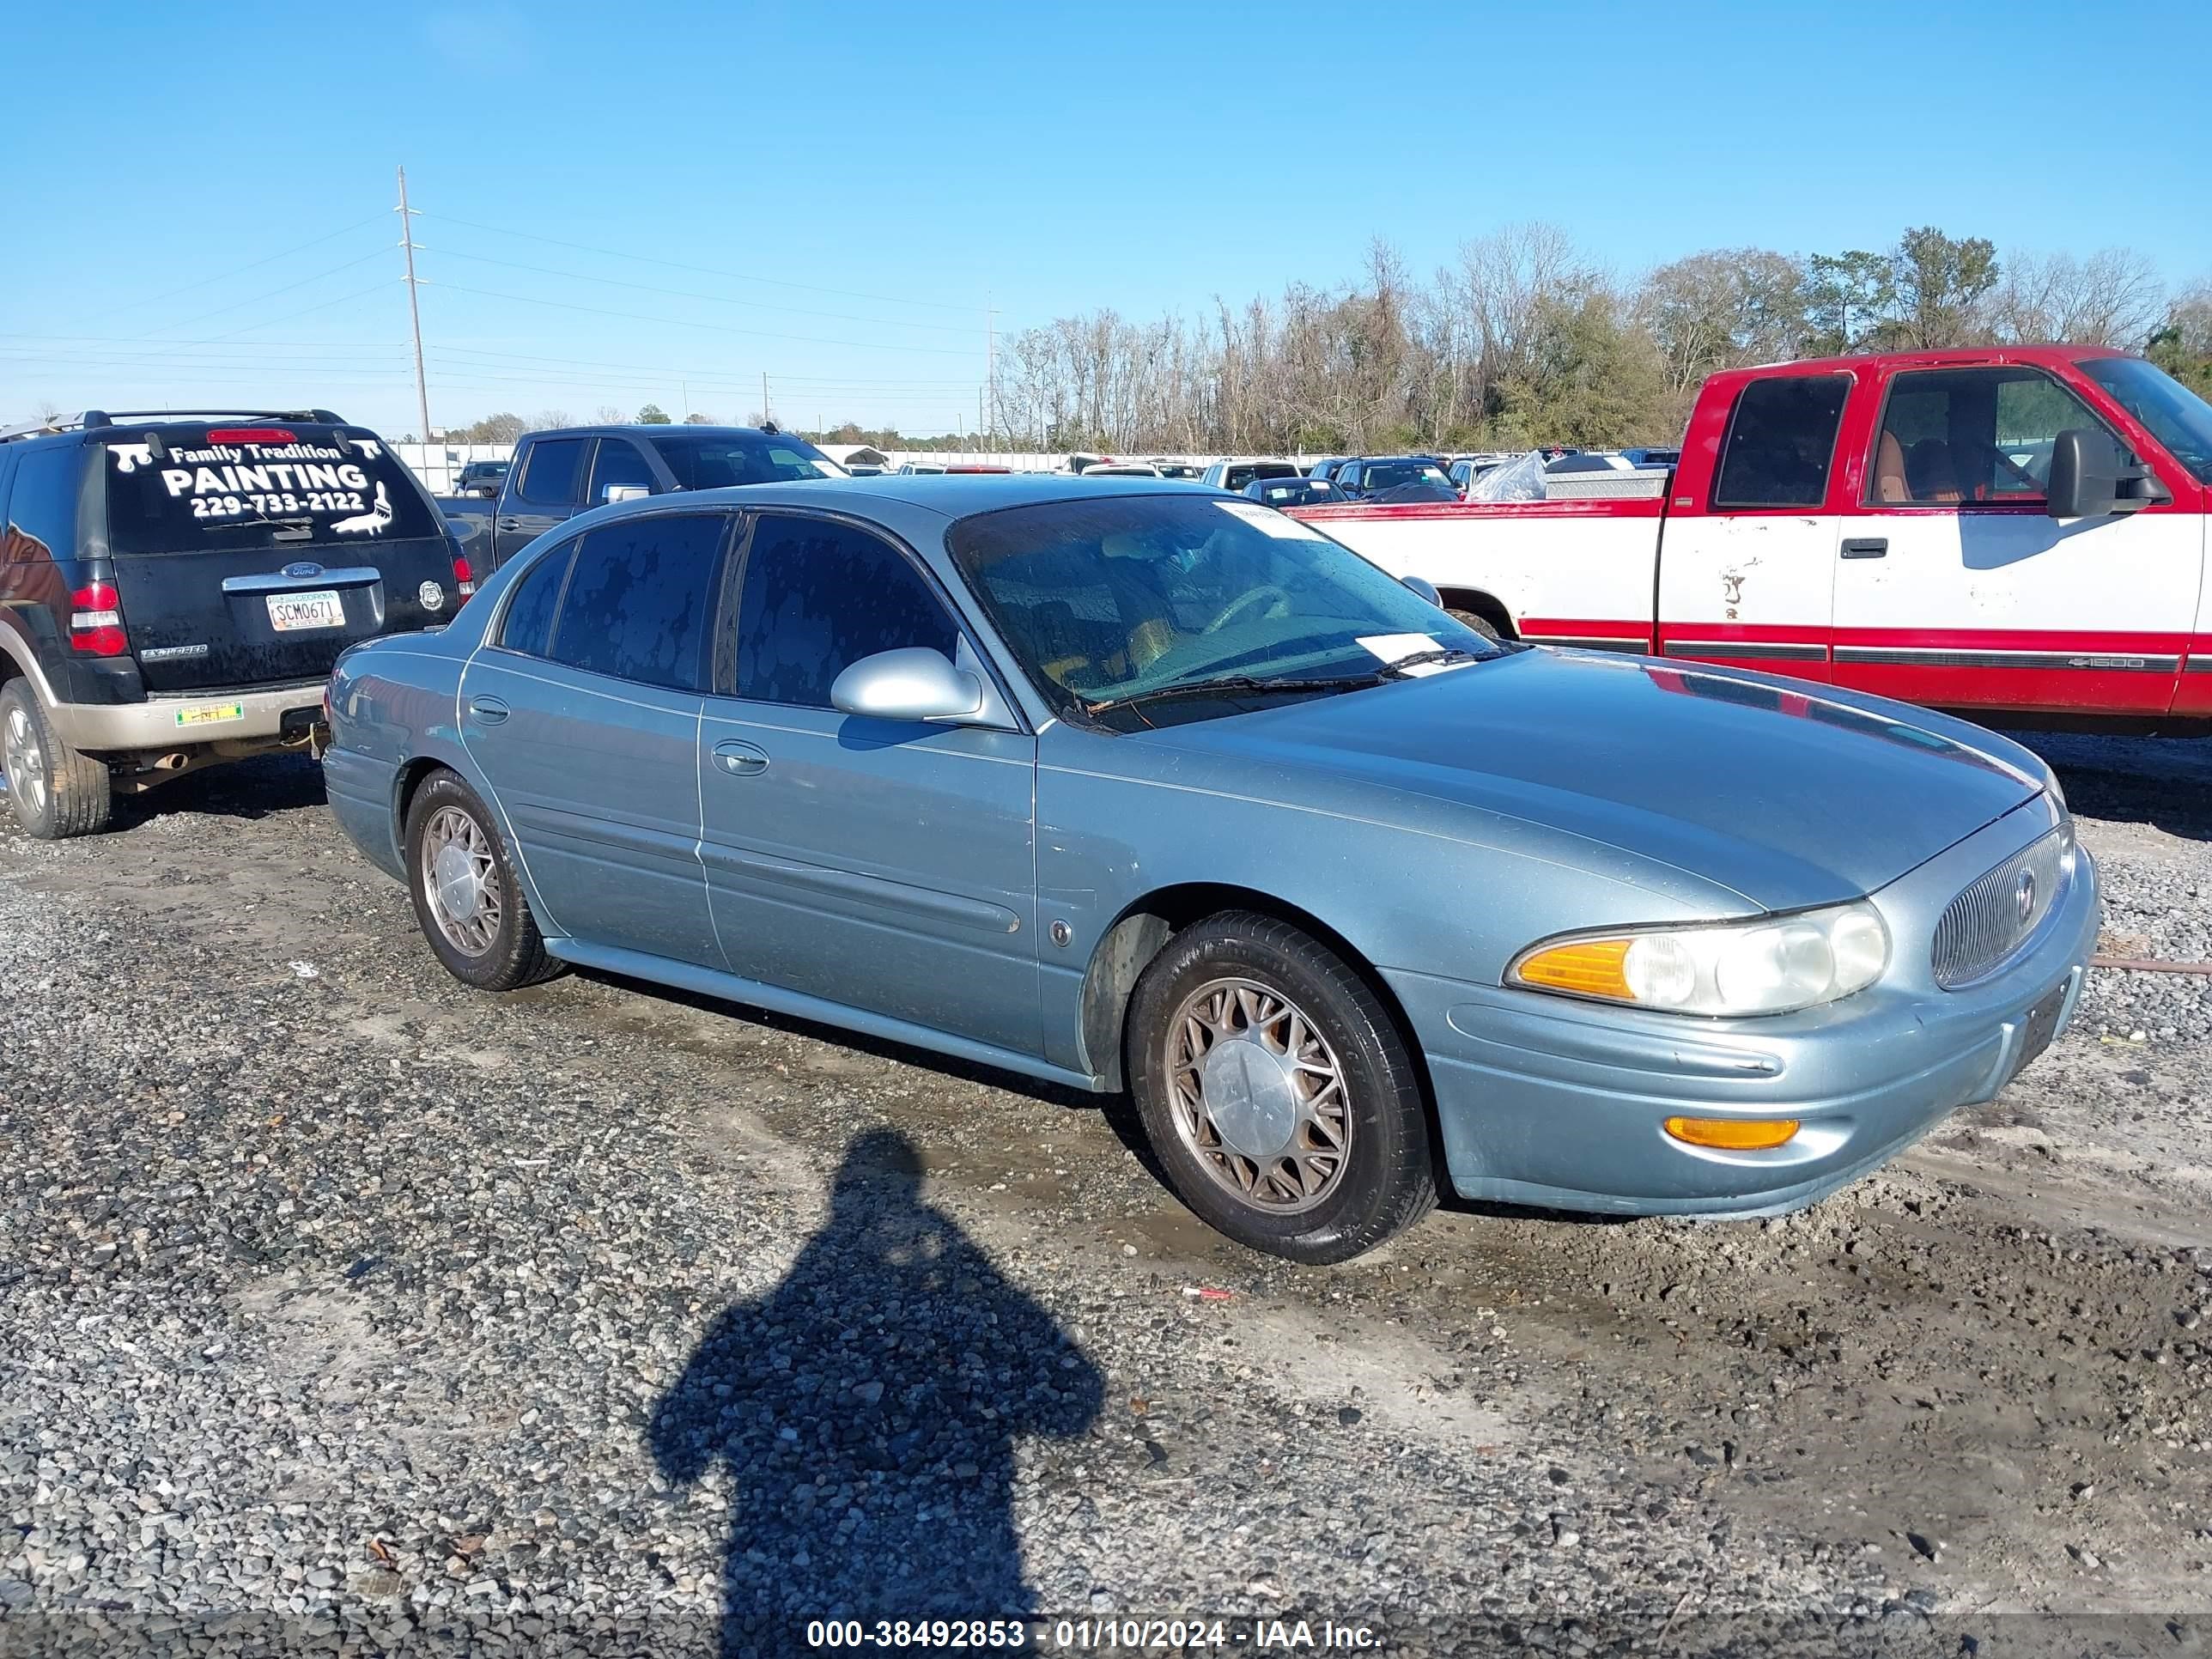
x=766, y=413
x=414, y=309
x=991, y=358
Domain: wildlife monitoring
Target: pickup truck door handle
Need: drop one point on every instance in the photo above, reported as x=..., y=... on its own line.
x=508, y=523
x=1867, y=547
x=740, y=760
x=489, y=710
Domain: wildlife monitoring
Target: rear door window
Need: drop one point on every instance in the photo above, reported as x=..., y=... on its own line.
x=197, y=490
x=713, y=460
x=549, y=474
x=820, y=596
x=618, y=464
x=528, y=625
x=1781, y=441
x=640, y=597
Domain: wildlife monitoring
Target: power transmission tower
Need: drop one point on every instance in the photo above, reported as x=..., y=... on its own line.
x=414, y=310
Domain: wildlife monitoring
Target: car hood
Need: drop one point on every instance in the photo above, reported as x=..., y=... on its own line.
x=1787, y=793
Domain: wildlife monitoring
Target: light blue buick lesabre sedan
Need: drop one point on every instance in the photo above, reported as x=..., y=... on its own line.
x=1129, y=784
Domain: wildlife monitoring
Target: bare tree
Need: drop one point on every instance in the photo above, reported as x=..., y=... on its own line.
x=547, y=419
x=610, y=415
x=2111, y=298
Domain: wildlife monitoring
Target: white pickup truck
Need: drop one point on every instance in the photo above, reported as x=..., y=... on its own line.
x=2016, y=534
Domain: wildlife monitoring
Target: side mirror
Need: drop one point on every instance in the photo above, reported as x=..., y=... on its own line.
x=2090, y=475
x=912, y=683
x=614, y=493
x=1426, y=589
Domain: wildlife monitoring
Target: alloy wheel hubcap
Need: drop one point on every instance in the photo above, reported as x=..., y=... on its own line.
x=1258, y=1096
x=461, y=879
x=25, y=762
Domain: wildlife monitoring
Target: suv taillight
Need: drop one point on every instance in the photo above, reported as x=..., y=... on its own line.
x=464, y=578
x=96, y=620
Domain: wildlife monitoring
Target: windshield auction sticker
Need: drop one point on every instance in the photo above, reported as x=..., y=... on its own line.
x=1269, y=522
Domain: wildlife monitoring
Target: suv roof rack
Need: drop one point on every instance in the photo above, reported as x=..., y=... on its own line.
x=92, y=419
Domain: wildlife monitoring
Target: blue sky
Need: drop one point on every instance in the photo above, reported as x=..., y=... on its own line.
x=198, y=198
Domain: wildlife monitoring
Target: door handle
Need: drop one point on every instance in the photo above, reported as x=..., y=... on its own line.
x=740, y=760
x=489, y=710
x=1867, y=547
x=508, y=523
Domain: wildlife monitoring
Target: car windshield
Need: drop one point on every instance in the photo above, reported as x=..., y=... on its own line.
x=1389, y=475
x=1111, y=600
x=178, y=488
x=713, y=460
x=2177, y=416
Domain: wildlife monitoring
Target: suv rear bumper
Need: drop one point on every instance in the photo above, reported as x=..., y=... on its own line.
x=172, y=721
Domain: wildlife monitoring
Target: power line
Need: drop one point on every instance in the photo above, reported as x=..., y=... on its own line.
x=259, y=298
x=343, y=298
x=683, y=322
x=686, y=294
x=240, y=270
x=963, y=382
x=703, y=270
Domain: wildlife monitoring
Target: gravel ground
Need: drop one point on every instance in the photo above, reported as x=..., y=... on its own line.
x=345, y=1309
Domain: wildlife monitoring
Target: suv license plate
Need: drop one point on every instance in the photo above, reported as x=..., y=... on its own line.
x=289, y=612
x=2042, y=1024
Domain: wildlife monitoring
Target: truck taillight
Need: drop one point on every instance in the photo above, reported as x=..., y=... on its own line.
x=251, y=435
x=464, y=578
x=96, y=620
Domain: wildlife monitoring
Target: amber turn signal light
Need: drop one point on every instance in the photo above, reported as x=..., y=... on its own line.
x=1590, y=967
x=1734, y=1134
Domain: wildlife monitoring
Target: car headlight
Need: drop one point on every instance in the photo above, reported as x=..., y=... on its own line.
x=1767, y=966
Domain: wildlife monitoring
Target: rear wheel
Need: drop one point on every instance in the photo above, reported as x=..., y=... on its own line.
x=466, y=899
x=55, y=791
x=1276, y=1092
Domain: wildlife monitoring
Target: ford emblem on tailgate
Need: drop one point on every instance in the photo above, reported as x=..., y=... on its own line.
x=303, y=570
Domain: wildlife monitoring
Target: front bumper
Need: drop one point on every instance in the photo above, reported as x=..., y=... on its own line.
x=1552, y=1102
x=169, y=721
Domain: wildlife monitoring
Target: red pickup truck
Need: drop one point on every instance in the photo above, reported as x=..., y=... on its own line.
x=2016, y=534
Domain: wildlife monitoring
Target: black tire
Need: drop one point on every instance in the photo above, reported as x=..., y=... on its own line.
x=1481, y=625
x=1383, y=1181
x=55, y=792
x=513, y=952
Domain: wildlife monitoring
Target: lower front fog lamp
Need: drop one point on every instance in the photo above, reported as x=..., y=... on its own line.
x=1733, y=1134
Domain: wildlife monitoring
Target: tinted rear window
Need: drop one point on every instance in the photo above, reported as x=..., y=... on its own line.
x=1781, y=441
x=42, y=506
x=713, y=461
x=640, y=597
x=186, y=490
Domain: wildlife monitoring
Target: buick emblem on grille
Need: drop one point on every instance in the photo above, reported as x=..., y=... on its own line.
x=2023, y=896
x=303, y=570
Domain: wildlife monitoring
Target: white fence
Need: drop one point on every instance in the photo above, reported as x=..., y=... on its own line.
x=439, y=464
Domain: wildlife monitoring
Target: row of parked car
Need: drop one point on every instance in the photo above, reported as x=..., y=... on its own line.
x=1064, y=775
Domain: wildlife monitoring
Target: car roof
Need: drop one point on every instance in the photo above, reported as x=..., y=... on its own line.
x=951, y=495
x=635, y=429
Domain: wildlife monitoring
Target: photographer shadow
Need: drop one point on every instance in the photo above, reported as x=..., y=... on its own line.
x=868, y=1407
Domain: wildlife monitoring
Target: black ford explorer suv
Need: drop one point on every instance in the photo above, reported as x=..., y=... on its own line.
x=173, y=590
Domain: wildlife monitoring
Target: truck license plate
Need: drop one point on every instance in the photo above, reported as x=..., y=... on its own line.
x=289, y=612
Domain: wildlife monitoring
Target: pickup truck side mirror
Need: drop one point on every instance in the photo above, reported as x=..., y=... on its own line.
x=2092, y=477
x=614, y=493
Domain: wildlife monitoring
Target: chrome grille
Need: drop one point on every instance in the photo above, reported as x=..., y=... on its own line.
x=2000, y=912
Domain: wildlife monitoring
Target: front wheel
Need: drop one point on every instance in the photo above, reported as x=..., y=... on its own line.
x=466, y=899
x=1276, y=1092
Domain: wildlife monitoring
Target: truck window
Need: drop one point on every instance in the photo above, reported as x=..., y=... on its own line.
x=617, y=464
x=1781, y=441
x=549, y=477
x=1959, y=436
